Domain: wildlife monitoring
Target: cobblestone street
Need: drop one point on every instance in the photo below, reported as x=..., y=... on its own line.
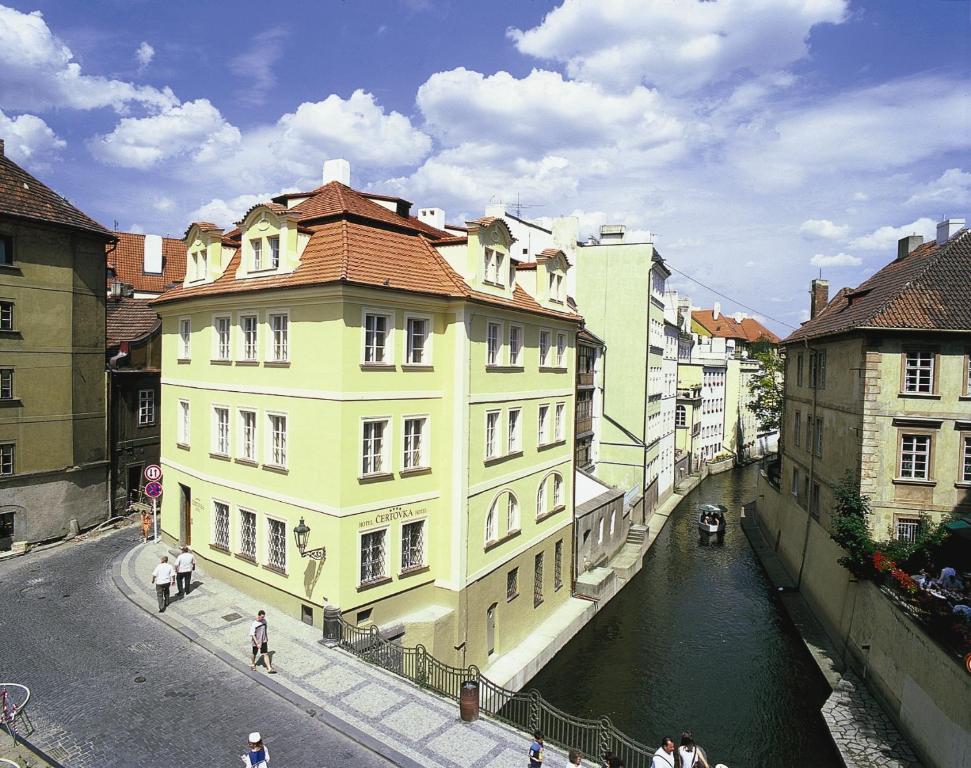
x=111, y=686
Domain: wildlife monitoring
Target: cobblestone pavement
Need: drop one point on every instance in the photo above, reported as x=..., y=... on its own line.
x=111, y=686
x=410, y=726
x=863, y=734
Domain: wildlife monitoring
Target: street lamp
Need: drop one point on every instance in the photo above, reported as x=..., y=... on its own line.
x=301, y=533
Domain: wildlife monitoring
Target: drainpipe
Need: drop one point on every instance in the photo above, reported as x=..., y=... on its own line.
x=812, y=464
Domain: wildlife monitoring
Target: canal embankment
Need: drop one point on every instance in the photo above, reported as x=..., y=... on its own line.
x=861, y=731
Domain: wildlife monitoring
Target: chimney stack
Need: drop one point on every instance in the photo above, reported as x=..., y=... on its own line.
x=337, y=169
x=434, y=217
x=1, y=147
x=948, y=229
x=907, y=244
x=152, y=258
x=820, y=297
x=716, y=311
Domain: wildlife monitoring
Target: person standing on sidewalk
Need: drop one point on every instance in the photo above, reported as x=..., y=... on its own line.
x=185, y=564
x=537, y=751
x=163, y=577
x=257, y=755
x=259, y=637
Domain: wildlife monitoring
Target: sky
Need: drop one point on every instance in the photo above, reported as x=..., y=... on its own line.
x=758, y=143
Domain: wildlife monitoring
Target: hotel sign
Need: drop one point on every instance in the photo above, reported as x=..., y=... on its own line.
x=391, y=515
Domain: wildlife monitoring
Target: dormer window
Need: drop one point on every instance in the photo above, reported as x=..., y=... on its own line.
x=203, y=264
x=257, y=246
x=492, y=267
x=556, y=287
x=274, y=244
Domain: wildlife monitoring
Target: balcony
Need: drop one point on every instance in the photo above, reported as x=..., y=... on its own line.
x=689, y=393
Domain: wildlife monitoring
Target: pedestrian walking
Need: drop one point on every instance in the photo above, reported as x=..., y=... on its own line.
x=664, y=755
x=256, y=755
x=537, y=751
x=146, y=526
x=185, y=564
x=259, y=637
x=690, y=755
x=163, y=577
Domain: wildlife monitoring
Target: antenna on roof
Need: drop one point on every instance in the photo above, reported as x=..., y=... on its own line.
x=520, y=205
x=116, y=225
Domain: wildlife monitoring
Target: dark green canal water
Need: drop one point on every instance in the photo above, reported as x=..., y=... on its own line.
x=699, y=641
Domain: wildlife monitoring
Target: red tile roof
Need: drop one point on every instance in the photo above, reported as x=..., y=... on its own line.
x=127, y=259
x=128, y=319
x=755, y=331
x=928, y=289
x=24, y=196
x=748, y=329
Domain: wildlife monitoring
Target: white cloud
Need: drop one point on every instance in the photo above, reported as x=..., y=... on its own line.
x=28, y=138
x=226, y=212
x=195, y=129
x=256, y=63
x=144, y=55
x=823, y=228
x=679, y=46
x=885, y=238
x=39, y=72
x=951, y=188
x=839, y=260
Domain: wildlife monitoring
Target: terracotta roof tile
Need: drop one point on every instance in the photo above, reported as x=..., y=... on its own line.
x=724, y=326
x=128, y=319
x=127, y=259
x=928, y=289
x=525, y=265
x=755, y=331
x=24, y=196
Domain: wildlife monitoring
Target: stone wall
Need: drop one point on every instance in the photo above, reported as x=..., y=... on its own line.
x=45, y=503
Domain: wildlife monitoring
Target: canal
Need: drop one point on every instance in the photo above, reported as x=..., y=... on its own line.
x=698, y=641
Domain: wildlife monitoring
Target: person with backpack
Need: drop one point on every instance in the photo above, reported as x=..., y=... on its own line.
x=690, y=755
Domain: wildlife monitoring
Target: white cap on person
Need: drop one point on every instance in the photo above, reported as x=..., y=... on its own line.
x=255, y=738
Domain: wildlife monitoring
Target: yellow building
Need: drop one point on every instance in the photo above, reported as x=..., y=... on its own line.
x=406, y=393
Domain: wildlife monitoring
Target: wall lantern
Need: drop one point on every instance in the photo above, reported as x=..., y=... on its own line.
x=301, y=533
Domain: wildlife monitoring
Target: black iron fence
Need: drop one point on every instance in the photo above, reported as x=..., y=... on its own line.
x=526, y=710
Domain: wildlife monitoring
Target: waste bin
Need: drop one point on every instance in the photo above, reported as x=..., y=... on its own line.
x=469, y=701
x=332, y=623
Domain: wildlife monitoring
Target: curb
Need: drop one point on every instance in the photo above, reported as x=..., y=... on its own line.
x=316, y=711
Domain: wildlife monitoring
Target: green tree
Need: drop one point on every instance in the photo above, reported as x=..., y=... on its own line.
x=766, y=391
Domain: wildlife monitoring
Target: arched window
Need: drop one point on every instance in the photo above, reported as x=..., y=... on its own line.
x=492, y=524
x=557, y=491
x=549, y=497
x=512, y=513
x=680, y=416
x=504, y=502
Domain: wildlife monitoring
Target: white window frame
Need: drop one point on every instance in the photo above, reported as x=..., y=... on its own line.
x=559, y=422
x=270, y=449
x=558, y=486
x=389, y=336
x=910, y=524
x=185, y=338
x=385, y=569
x=493, y=438
x=513, y=514
x=274, y=254
x=242, y=453
x=514, y=430
x=491, y=533
x=214, y=439
x=185, y=422
x=244, y=348
x=386, y=443
x=927, y=454
x=426, y=347
x=146, y=407
x=268, y=519
x=217, y=346
x=542, y=424
x=256, y=253
x=271, y=336
x=544, y=356
x=8, y=459
x=497, y=325
x=516, y=351
x=541, y=499
x=561, y=350
x=919, y=368
x=229, y=524
x=423, y=443
x=964, y=465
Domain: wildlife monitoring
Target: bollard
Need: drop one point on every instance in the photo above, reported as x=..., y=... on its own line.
x=332, y=624
x=469, y=701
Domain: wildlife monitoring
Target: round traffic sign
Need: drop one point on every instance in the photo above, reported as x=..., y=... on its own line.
x=153, y=473
x=153, y=490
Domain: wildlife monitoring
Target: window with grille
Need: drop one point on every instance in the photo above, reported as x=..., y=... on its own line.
x=376, y=338
x=541, y=427
x=222, y=338
x=247, y=534
x=919, y=371
x=278, y=440
x=561, y=350
x=280, y=330
x=146, y=405
x=220, y=431
x=185, y=338
x=908, y=529
x=492, y=434
x=373, y=547
x=966, y=457
x=544, y=348
x=493, y=331
x=220, y=523
x=256, y=246
x=492, y=523
x=249, y=326
x=6, y=458
x=515, y=345
x=247, y=435
x=372, y=459
x=414, y=443
x=184, y=422
x=538, y=579
x=559, y=427
x=558, y=565
x=513, y=433
x=276, y=544
x=512, y=584
x=413, y=545
x=274, y=247
x=417, y=330
x=915, y=451
x=512, y=513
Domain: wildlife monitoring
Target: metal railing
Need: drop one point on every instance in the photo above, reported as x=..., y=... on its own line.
x=525, y=710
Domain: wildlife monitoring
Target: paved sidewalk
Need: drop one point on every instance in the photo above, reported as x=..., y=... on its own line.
x=405, y=724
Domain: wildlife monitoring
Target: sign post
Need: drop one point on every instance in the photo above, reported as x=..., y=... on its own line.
x=153, y=489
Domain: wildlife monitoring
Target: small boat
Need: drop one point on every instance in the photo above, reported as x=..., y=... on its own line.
x=711, y=518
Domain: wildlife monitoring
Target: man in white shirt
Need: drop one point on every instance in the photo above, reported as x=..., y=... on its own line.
x=185, y=564
x=259, y=637
x=664, y=756
x=163, y=577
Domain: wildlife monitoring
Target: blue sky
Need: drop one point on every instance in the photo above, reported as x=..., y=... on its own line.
x=759, y=141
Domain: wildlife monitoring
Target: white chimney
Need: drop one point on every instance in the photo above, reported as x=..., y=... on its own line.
x=434, y=217
x=948, y=229
x=152, y=263
x=739, y=317
x=337, y=169
x=716, y=312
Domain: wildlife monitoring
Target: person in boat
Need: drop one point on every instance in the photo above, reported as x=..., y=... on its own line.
x=690, y=755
